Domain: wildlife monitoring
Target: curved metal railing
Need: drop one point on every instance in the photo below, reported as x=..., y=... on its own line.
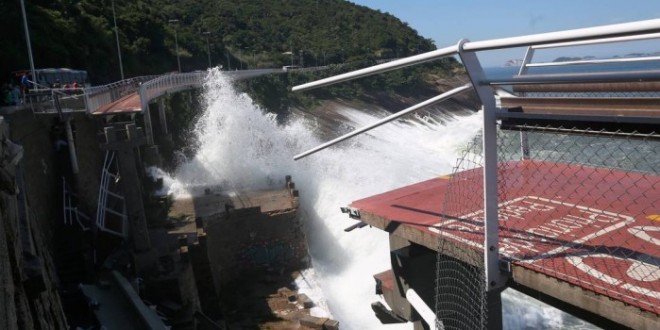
x=169, y=83
x=98, y=96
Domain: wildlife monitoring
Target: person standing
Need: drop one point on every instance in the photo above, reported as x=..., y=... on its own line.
x=16, y=95
x=26, y=84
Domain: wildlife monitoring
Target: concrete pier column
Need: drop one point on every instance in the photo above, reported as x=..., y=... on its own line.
x=72, y=146
x=144, y=103
x=162, y=116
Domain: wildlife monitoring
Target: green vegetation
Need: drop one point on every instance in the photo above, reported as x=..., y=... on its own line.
x=242, y=34
x=239, y=34
x=272, y=92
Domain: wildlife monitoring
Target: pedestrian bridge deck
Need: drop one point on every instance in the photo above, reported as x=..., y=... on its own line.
x=598, y=253
x=127, y=104
x=127, y=96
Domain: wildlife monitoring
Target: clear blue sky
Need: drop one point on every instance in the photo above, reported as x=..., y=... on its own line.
x=447, y=21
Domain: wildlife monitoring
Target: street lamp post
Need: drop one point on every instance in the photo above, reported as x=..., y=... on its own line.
x=176, y=44
x=208, y=47
x=114, y=18
x=29, y=43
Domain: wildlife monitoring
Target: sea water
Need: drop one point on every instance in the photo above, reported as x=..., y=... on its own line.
x=240, y=146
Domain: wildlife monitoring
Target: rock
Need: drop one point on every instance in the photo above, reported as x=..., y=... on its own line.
x=331, y=325
x=313, y=321
x=306, y=301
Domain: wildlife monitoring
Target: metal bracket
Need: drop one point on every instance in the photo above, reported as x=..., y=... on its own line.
x=505, y=267
x=353, y=213
x=355, y=226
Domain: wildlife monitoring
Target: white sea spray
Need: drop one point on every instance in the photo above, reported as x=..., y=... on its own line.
x=242, y=147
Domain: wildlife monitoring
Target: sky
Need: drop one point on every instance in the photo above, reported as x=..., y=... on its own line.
x=448, y=21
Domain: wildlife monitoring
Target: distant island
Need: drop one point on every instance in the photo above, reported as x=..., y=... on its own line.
x=519, y=61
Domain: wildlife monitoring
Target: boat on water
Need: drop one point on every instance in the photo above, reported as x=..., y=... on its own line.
x=559, y=198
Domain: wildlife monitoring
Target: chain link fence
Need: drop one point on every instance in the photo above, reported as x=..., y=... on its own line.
x=583, y=205
x=580, y=205
x=460, y=296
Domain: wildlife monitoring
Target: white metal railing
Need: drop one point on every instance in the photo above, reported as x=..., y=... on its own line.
x=495, y=279
x=49, y=100
x=102, y=206
x=98, y=96
x=71, y=212
x=149, y=87
x=57, y=100
x=617, y=30
x=169, y=83
x=527, y=60
x=434, y=100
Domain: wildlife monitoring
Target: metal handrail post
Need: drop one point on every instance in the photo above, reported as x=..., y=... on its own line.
x=524, y=142
x=100, y=207
x=494, y=278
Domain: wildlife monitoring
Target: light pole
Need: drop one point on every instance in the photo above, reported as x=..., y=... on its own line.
x=114, y=18
x=208, y=48
x=176, y=44
x=29, y=44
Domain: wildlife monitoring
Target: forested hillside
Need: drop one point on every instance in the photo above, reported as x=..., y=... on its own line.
x=238, y=33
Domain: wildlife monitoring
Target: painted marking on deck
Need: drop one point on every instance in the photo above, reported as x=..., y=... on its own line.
x=610, y=246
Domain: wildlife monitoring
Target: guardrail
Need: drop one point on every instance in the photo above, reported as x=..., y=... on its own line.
x=169, y=83
x=489, y=162
x=165, y=84
x=49, y=100
x=56, y=100
x=119, y=225
x=71, y=212
x=98, y=96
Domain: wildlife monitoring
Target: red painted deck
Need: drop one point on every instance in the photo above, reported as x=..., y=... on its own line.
x=594, y=228
x=127, y=104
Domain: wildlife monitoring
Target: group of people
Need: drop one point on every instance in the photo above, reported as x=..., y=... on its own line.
x=58, y=84
x=11, y=94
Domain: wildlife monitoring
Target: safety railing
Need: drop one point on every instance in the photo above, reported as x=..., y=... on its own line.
x=591, y=214
x=56, y=100
x=71, y=212
x=169, y=83
x=531, y=50
x=98, y=96
x=111, y=208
